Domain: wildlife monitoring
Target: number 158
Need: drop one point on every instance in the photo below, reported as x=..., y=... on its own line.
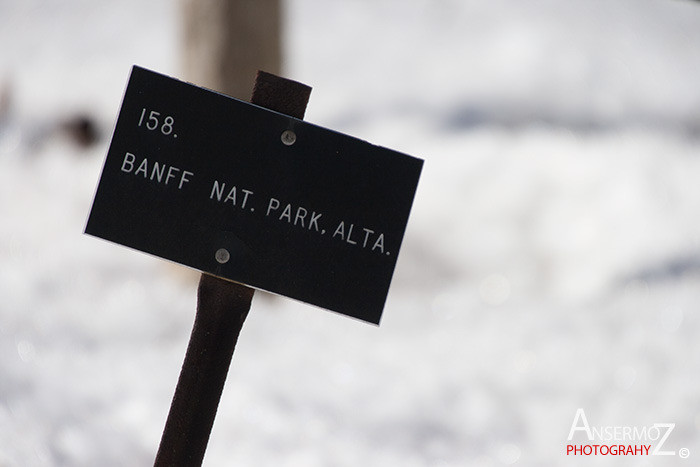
x=151, y=121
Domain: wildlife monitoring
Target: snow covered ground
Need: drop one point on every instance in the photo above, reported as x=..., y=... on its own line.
x=552, y=260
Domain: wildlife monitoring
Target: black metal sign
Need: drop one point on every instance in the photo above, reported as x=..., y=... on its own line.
x=254, y=196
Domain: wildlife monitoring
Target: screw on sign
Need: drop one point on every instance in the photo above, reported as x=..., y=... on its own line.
x=222, y=255
x=288, y=137
x=201, y=195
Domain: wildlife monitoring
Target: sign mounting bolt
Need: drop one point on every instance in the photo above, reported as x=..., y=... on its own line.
x=288, y=137
x=222, y=255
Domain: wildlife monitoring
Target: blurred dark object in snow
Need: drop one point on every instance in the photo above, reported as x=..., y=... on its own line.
x=511, y=116
x=9, y=133
x=80, y=129
x=31, y=135
x=4, y=101
x=670, y=270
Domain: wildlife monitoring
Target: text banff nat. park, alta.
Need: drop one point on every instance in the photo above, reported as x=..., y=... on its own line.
x=244, y=199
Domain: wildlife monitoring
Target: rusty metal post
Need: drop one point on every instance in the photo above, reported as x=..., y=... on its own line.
x=222, y=307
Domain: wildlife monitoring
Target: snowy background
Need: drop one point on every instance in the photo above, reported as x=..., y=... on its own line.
x=552, y=260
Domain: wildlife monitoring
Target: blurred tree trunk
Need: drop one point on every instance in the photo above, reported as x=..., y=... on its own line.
x=225, y=42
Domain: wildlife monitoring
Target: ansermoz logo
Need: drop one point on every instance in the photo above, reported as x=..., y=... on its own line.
x=621, y=440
